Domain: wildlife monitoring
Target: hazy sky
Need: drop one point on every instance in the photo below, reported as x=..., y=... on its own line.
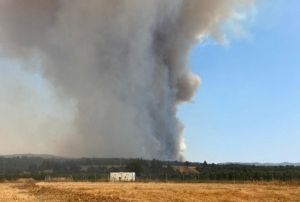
x=248, y=107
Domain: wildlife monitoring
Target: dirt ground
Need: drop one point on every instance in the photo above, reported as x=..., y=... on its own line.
x=85, y=191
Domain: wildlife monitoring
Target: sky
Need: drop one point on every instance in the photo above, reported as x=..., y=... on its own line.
x=247, y=109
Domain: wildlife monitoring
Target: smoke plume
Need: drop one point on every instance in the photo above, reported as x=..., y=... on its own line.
x=123, y=62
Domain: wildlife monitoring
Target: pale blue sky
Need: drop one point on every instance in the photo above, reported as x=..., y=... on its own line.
x=248, y=107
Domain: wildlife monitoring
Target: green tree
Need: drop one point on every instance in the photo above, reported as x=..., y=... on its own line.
x=135, y=166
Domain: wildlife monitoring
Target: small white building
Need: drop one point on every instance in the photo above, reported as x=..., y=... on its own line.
x=122, y=177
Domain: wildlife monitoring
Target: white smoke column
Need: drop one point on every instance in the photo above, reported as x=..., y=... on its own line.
x=124, y=62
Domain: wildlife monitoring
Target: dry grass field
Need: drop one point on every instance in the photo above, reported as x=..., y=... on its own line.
x=84, y=191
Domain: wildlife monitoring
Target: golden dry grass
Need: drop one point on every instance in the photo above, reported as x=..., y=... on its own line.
x=10, y=193
x=84, y=191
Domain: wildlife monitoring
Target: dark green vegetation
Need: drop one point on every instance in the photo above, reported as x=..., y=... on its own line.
x=93, y=169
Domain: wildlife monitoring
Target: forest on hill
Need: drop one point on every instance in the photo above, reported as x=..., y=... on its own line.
x=98, y=169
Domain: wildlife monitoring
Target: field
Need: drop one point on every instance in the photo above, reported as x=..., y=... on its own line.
x=85, y=191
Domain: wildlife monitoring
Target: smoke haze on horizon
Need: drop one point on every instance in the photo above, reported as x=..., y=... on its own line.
x=116, y=71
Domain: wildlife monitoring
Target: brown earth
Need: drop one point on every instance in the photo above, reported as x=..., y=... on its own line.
x=85, y=191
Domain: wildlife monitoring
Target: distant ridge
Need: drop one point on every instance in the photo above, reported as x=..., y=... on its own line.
x=44, y=156
x=50, y=156
x=263, y=164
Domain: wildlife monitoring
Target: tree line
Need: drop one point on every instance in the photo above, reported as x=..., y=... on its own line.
x=95, y=169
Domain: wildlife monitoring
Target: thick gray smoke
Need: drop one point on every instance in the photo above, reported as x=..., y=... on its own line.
x=124, y=62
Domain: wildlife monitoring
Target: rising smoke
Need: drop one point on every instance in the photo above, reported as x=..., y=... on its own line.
x=124, y=62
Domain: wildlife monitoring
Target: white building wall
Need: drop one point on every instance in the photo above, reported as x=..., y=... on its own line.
x=122, y=176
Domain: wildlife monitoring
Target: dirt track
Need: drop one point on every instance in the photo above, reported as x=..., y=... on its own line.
x=83, y=191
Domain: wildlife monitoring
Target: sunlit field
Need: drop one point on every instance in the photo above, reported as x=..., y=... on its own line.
x=85, y=191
